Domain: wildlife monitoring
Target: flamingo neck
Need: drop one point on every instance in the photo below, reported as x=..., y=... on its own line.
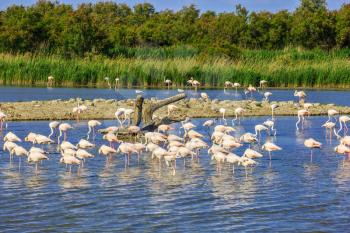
x=336, y=133
x=296, y=124
x=51, y=133
x=341, y=127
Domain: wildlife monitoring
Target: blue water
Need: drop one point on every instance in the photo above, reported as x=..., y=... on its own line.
x=10, y=94
x=291, y=194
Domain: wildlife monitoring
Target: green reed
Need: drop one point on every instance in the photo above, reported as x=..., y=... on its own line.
x=283, y=68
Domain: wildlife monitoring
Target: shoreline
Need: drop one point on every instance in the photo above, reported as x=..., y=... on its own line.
x=104, y=109
x=174, y=88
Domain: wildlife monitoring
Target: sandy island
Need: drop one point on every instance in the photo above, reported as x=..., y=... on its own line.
x=196, y=108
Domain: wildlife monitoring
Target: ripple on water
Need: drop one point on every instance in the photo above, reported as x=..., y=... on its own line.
x=290, y=194
x=11, y=94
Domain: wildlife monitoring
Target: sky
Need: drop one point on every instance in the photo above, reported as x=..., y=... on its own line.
x=203, y=5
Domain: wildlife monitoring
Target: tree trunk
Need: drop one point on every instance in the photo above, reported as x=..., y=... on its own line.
x=138, y=110
x=145, y=112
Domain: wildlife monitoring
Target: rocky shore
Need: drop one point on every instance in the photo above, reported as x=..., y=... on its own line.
x=196, y=108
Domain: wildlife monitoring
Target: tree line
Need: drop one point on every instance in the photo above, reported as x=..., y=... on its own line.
x=111, y=29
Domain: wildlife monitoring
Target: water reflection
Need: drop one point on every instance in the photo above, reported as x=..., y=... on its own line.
x=342, y=174
x=311, y=170
x=68, y=180
x=269, y=176
x=129, y=175
x=26, y=94
x=36, y=182
x=234, y=191
x=147, y=195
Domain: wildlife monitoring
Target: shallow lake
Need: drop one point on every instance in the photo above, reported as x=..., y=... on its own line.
x=11, y=94
x=290, y=194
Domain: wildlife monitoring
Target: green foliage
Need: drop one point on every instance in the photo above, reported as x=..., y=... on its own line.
x=112, y=30
x=282, y=68
x=82, y=45
x=313, y=26
x=343, y=26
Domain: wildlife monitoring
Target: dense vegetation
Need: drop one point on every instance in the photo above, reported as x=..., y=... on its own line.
x=80, y=46
x=112, y=29
x=288, y=68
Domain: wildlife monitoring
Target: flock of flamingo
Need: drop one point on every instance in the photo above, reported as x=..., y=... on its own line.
x=165, y=144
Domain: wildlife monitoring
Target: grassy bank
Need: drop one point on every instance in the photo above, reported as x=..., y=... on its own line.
x=288, y=68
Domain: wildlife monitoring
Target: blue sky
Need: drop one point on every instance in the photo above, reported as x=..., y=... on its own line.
x=216, y=5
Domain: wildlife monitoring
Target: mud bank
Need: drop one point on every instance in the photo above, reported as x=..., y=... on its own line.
x=196, y=108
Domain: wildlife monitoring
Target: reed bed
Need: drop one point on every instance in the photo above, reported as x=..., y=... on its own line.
x=284, y=68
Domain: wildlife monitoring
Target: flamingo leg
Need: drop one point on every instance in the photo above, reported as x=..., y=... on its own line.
x=88, y=133
x=302, y=123
x=296, y=124
x=51, y=133
x=311, y=155
x=58, y=138
x=345, y=128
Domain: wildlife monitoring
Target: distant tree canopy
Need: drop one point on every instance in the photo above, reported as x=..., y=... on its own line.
x=110, y=29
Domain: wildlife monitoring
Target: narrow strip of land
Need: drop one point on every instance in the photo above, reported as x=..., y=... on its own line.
x=196, y=108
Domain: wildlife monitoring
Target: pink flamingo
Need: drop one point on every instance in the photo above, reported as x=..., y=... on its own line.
x=70, y=160
x=331, y=113
x=127, y=149
x=251, y=89
x=116, y=83
x=312, y=143
x=239, y=114
x=50, y=81
x=343, y=120
x=227, y=84
x=300, y=94
x=92, y=124
x=236, y=85
x=302, y=113
x=111, y=138
x=262, y=83
x=36, y=157
x=107, y=151
x=269, y=146
x=168, y=83
x=53, y=125
x=2, y=120
x=63, y=128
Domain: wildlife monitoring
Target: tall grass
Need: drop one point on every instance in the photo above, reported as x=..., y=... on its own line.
x=285, y=68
